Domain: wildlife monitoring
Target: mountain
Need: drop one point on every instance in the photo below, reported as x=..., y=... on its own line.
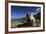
x=37, y=16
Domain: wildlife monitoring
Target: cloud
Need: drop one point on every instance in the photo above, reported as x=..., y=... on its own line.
x=37, y=11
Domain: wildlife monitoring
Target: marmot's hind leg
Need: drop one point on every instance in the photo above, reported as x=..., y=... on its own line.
x=34, y=22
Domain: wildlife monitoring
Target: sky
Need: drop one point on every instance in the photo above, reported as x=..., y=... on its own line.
x=20, y=11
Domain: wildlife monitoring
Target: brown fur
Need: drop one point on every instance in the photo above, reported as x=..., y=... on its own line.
x=31, y=21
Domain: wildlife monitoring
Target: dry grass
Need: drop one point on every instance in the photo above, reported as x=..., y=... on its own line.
x=15, y=23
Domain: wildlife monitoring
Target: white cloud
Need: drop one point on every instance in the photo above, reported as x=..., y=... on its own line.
x=37, y=11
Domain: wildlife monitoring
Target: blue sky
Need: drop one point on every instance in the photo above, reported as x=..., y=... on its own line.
x=20, y=11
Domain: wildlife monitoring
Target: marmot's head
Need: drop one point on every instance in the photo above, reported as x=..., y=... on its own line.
x=30, y=14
